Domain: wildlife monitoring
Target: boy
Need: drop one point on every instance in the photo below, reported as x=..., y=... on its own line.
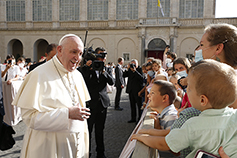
x=162, y=96
x=212, y=86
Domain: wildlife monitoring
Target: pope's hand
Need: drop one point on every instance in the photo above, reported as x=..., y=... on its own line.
x=78, y=113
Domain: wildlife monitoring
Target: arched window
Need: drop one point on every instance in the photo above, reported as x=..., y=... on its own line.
x=69, y=10
x=191, y=8
x=42, y=10
x=127, y=9
x=97, y=10
x=15, y=10
x=153, y=11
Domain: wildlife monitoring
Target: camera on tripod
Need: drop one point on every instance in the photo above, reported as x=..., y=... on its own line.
x=89, y=54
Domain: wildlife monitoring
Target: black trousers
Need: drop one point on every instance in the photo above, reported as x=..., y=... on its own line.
x=97, y=120
x=118, y=96
x=1, y=121
x=135, y=103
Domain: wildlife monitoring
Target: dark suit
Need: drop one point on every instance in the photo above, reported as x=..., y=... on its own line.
x=32, y=67
x=2, y=113
x=98, y=104
x=134, y=85
x=119, y=81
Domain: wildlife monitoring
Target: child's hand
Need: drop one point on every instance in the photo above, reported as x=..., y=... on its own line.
x=222, y=153
x=143, y=131
x=153, y=115
x=184, y=81
x=135, y=136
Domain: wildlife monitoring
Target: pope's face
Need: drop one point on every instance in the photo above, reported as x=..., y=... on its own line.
x=70, y=53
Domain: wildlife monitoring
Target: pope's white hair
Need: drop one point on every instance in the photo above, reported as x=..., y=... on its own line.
x=66, y=36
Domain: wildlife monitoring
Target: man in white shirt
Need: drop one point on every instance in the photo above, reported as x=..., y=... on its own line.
x=52, y=99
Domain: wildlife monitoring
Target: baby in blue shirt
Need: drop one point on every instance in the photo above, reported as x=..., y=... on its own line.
x=212, y=86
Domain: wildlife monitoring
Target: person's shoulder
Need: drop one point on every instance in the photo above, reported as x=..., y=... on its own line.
x=77, y=73
x=190, y=112
x=169, y=111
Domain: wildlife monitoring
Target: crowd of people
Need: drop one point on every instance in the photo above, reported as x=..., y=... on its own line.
x=193, y=100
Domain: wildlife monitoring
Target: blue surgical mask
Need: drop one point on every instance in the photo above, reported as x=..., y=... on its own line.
x=151, y=73
x=182, y=73
x=198, y=55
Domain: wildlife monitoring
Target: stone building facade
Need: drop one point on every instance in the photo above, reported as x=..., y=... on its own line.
x=128, y=28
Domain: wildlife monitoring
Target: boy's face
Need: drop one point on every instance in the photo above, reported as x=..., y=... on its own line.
x=155, y=67
x=193, y=97
x=155, y=97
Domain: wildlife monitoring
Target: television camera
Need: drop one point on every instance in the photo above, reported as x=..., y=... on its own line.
x=90, y=54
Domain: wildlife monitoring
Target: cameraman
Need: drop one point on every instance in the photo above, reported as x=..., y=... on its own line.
x=96, y=81
x=134, y=85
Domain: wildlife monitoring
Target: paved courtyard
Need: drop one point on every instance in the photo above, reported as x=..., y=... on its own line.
x=117, y=131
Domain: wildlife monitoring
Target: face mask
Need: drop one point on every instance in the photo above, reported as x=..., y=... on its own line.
x=168, y=60
x=21, y=65
x=198, y=55
x=151, y=73
x=182, y=73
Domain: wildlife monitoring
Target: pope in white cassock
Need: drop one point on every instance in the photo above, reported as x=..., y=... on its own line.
x=52, y=99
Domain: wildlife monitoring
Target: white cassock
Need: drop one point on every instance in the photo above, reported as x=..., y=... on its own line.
x=44, y=100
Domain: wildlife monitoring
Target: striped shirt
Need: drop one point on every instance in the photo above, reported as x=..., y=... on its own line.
x=168, y=116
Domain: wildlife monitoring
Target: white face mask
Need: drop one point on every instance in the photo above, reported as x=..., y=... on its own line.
x=168, y=60
x=21, y=65
x=198, y=55
x=182, y=73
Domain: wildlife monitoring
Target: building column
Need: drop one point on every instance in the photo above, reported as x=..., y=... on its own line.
x=209, y=9
x=3, y=17
x=83, y=13
x=55, y=13
x=142, y=10
x=173, y=39
x=174, y=10
x=28, y=14
x=112, y=13
x=142, y=14
x=142, y=43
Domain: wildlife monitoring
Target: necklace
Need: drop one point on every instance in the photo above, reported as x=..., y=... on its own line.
x=71, y=85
